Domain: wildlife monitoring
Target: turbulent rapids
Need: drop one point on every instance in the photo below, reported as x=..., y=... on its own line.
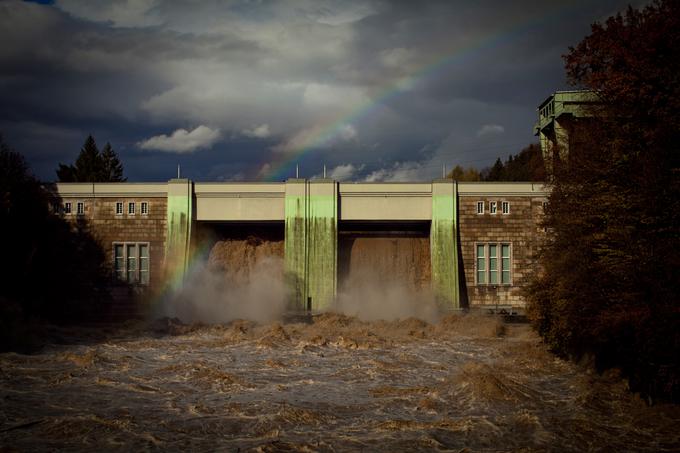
x=334, y=384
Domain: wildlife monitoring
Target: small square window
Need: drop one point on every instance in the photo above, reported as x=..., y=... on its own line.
x=131, y=208
x=67, y=208
x=505, y=207
x=80, y=208
x=56, y=207
x=493, y=207
x=144, y=208
x=119, y=208
x=480, y=207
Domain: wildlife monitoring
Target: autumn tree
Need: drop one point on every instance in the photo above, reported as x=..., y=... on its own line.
x=611, y=271
x=464, y=174
x=527, y=165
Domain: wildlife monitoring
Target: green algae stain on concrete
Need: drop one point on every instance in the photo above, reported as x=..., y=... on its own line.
x=443, y=244
x=323, y=244
x=295, y=242
x=179, y=219
x=311, y=217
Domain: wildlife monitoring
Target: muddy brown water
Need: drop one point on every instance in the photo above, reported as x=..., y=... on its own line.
x=401, y=258
x=337, y=384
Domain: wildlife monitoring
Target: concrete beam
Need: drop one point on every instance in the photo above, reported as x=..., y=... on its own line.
x=385, y=201
x=239, y=201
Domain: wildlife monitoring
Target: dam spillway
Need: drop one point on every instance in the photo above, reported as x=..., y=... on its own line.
x=469, y=243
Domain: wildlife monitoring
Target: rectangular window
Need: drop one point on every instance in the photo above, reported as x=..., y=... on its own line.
x=480, y=207
x=505, y=264
x=131, y=208
x=80, y=208
x=131, y=253
x=119, y=208
x=144, y=264
x=494, y=264
x=481, y=264
x=505, y=207
x=67, y=208
x=492, y=207
x=131, y=262
x=144, y=208
x=119, y=262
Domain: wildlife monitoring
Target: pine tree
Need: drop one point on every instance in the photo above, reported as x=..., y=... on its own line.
x=89, y=166
x=92, y=165
x=113, y=168
x=496, y=172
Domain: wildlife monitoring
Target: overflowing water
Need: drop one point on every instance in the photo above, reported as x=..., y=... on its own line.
x=335, y=384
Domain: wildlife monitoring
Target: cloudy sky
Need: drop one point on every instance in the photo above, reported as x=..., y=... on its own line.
x=248, y=89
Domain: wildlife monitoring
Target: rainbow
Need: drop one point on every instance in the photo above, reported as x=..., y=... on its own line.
x=283, y=161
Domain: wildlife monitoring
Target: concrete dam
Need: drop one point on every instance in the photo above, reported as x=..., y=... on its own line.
x=467, y=243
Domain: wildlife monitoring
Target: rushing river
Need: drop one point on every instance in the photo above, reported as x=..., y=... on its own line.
x=337, y=384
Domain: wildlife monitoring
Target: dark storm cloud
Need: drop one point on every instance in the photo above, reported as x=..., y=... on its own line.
x=256, y=77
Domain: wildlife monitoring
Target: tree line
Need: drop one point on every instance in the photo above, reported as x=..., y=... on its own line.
x=93, y=165
x=610, y=278
x=527, y=165
x=54, y=271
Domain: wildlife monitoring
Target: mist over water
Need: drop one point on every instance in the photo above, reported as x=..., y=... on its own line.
x=243, y=278
x=372, y=296
x=211, y=296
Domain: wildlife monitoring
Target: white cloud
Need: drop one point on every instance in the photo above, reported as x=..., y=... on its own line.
x=344, y=172
x=261, y=131
x=400, y=172
x=490, y=129
x=323, y=96
x=182, y=141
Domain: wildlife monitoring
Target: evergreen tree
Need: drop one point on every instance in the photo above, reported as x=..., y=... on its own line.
x=113, y=168
x=527, y=165
x=496, y=173
x=89, y=166
x=92, y=165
